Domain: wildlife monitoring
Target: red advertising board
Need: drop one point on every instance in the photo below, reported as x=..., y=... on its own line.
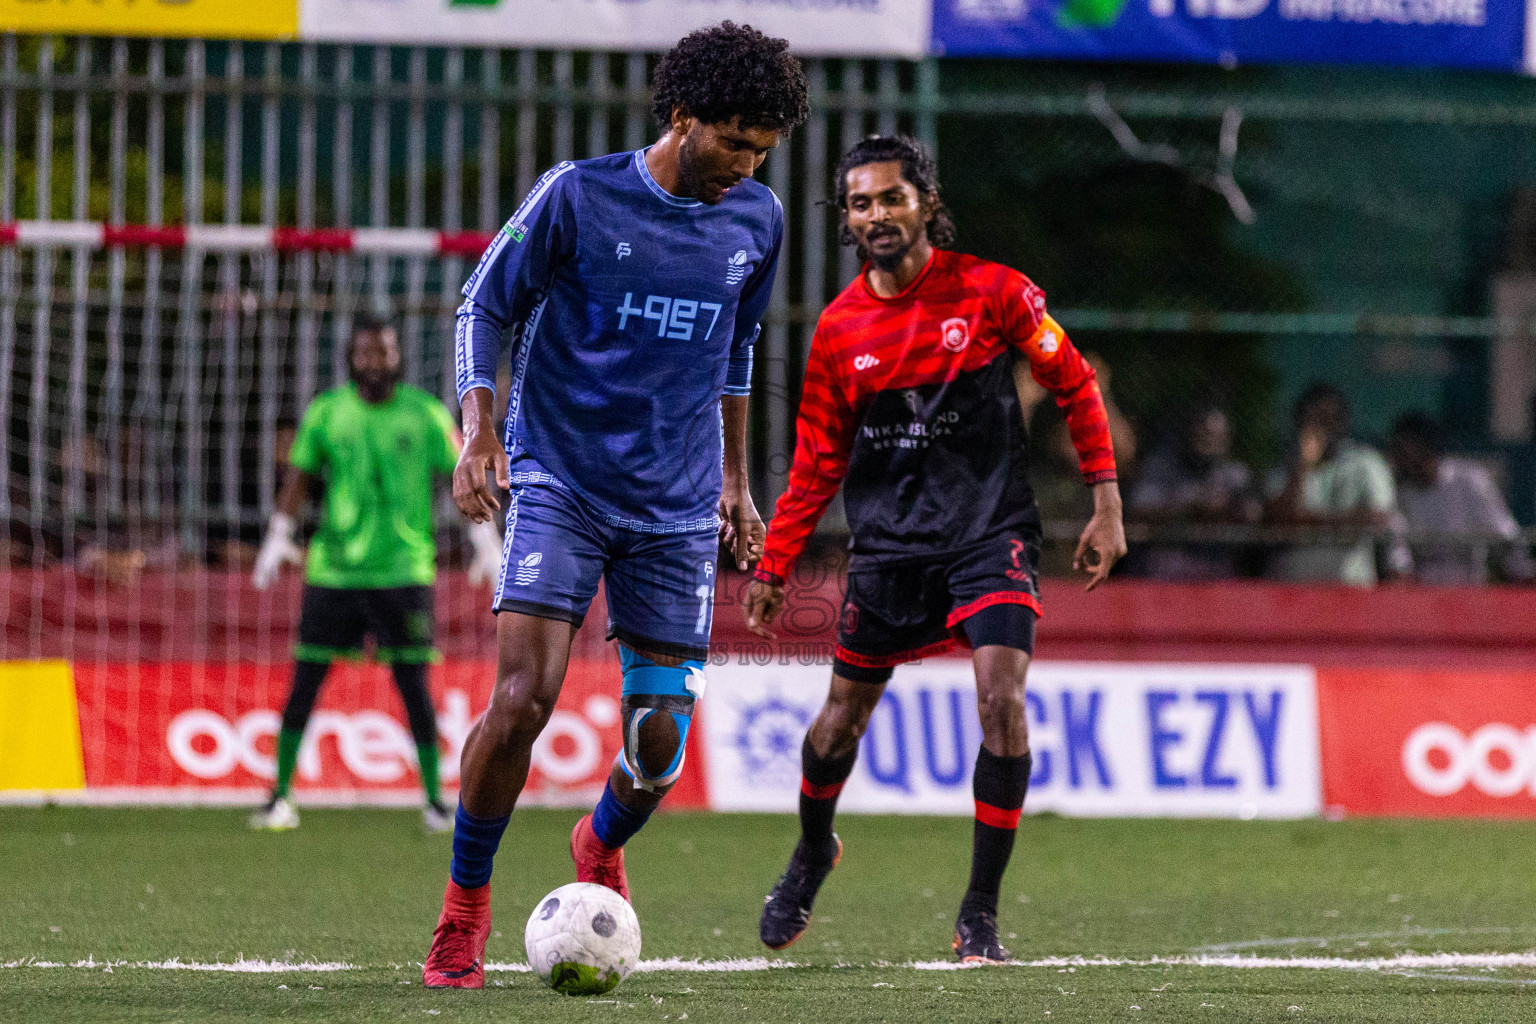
x=1428, y=743
x=204, y=727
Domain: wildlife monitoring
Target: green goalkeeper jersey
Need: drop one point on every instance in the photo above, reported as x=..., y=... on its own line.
x=378, y=463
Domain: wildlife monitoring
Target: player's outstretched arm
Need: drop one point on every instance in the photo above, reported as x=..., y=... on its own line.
x=278, y=547
x=482, y=454
x=1103, y=541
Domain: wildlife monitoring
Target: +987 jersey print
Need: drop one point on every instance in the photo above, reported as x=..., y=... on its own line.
x=628, y=313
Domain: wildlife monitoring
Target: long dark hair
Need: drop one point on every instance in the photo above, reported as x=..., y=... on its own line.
x=917, y=167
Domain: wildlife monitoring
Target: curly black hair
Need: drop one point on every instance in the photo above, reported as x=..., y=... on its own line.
x=917, y=166
x=731, y=71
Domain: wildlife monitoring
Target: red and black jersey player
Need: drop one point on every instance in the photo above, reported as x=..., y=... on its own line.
x=910, y=406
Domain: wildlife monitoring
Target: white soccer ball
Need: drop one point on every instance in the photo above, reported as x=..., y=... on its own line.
x=582, y=939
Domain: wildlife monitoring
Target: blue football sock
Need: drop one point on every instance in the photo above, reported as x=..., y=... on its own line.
x=474, y=848
x=614, y=823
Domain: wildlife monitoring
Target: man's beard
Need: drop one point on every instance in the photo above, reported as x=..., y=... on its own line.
x=689, y=178
x=376, y=383
x=888, y=261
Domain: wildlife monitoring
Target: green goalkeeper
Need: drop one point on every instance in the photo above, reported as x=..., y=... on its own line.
x=376, y=444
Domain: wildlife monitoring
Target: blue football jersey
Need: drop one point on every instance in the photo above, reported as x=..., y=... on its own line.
x=631, y=312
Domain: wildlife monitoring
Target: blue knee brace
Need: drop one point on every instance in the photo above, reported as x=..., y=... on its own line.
x=649, y=688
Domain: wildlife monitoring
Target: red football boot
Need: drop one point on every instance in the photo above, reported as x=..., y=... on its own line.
x=457, y=957
x=595, y=862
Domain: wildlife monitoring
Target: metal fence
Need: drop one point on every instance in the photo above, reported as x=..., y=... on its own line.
x=149, y=376
x=153, y=337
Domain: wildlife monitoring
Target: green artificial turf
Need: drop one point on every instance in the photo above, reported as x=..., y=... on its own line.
x=363, y=888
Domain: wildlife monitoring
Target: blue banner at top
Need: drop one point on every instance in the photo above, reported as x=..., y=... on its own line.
x=1486, y=34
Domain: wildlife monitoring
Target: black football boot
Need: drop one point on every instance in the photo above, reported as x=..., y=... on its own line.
x=976, y=938
x=787, y=909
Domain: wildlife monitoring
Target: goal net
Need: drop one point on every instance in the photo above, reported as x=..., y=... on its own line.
x=152, y=380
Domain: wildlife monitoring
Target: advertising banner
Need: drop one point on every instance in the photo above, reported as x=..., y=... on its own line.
x=175, y=731
x=1452, y=33
x=897, y=28
x=1428, y=743
x=214, y=19
x=1108, y=739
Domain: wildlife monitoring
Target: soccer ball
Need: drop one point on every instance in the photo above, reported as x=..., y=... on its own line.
x=582, y=939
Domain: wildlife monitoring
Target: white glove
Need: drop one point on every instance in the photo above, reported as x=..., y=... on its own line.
x=277, y=550
x=486, y=565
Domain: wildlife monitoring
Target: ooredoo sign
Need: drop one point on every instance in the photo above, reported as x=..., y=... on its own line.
x=1428, y=743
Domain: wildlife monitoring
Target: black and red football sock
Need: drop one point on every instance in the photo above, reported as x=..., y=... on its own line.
x=821, y=781
x=999, y=786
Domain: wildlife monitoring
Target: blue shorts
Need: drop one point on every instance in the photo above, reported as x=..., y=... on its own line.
x=661, y=586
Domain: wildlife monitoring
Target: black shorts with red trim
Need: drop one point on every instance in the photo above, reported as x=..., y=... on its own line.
x=904, y=611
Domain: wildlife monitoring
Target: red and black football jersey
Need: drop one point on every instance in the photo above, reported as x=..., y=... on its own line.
x=909, y=404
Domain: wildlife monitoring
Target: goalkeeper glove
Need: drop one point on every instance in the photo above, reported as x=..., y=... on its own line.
x=277, y=550
x=486, y=565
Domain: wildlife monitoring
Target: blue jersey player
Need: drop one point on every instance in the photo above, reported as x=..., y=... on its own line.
x=628, y=290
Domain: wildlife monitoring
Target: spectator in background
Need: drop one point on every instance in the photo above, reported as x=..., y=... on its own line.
x=1193, y=478
x=1333, y=482
x=1442, y=494
x=1054, y=474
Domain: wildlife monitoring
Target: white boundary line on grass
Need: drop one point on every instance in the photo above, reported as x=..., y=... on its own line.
x=1408, y=962
x=1323, y=941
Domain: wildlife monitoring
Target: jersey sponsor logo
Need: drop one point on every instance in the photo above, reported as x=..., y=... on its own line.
x=527, y=569
x=736, y=268
x=675, y=318
x=864, y=362
x=1049, y=342
x=623, y=250
x=955, y=334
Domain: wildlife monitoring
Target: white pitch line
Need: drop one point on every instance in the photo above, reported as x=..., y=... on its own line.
x=241, y=966
x=1407, y=961
x=1323, y=941
x=1402, y=963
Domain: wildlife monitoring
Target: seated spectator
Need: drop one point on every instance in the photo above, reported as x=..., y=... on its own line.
x=1193, y=478
x=1054, y=473
x=1442, y=494
x=1332, y=482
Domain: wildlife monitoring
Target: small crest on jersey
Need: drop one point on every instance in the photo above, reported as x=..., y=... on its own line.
x=955, y=334
x=1034, y=298
x=736, y=267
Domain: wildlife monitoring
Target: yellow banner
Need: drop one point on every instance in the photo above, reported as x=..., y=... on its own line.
x=39, y=727
x=218, y=19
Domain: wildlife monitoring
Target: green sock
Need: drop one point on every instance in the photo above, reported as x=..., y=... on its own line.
x=426, y=753
x=287, y=756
